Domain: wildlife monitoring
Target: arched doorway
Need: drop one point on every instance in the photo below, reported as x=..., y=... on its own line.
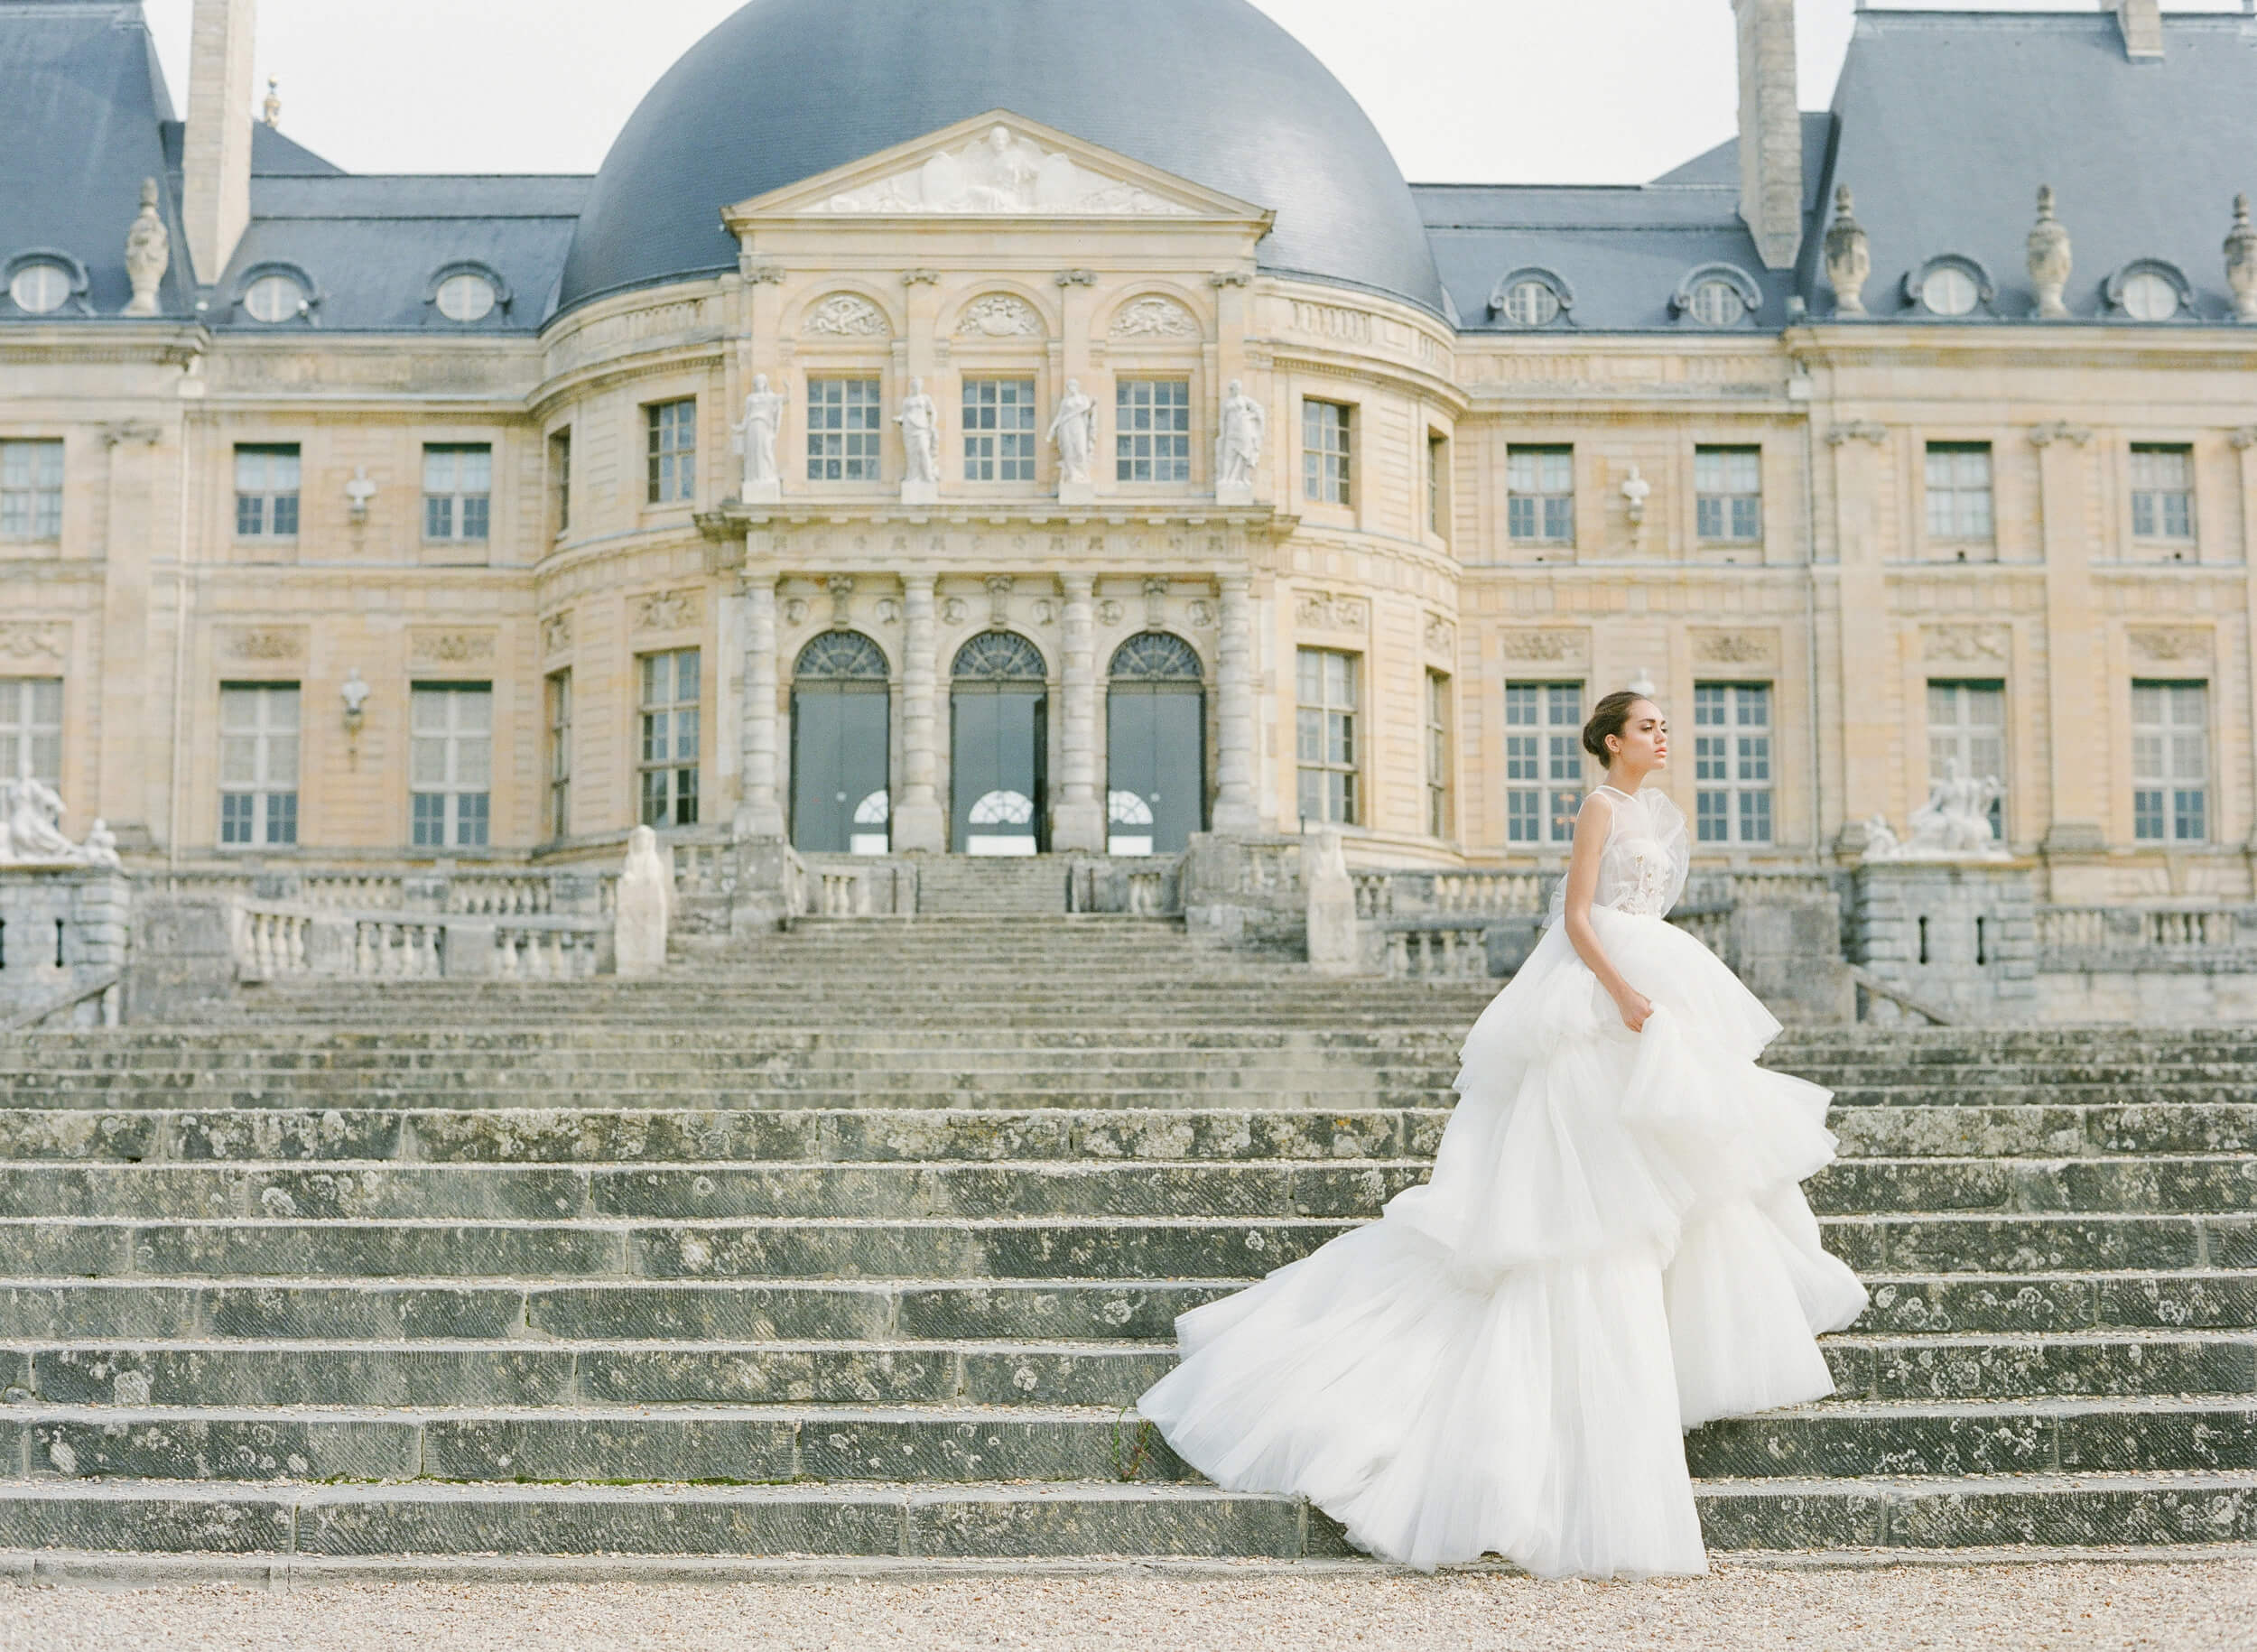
x=998, y=737
x=841, y=773
x=1156, y=746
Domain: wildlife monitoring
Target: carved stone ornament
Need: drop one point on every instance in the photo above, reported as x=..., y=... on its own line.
x=955, y=611
x=846, y=315
x=1849, y=257
x=148, y=253
x=1153, y=316
x=890, y=610
x=1736, y=647
x=670, y=610
x=1965, y=644
x=1201, y=613
x=1156, y=589
x=2050, y=263
x=920, y=421
x=2166, y=645
x=32, y=833
x=34, y=639
x=842, y=589
x=1000, y=315
x=1319, y=610
x=999, y=599
x=1857, y=430
x=1110, y=612
x=556, y=633
x=1442, y=636
x=794, y=610
x=452, y=648
x=360, y=493
x=1045, y=611
x=2240, y=262
x=1005, y=174
x=920, y=278
x=2060, y=430
x=1547, y=647
x=263, y=646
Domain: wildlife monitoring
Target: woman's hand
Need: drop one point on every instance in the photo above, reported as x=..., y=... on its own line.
x=1635, y=1006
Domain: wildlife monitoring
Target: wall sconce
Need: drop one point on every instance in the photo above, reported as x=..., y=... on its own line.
x=1635, y=491
x=358, y=492
x=354, y=693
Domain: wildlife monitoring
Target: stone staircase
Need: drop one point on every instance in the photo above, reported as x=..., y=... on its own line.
x=960, y=886
x=858, y=1243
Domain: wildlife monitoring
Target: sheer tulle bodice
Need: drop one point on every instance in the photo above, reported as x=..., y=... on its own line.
x=1612, y=1248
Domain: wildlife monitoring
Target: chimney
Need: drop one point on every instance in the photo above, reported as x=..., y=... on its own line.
x=216, y=162
x=2141, y=21
x=1770, y=130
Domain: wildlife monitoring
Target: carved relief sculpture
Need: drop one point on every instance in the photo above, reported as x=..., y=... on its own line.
x=25, y=639
x=847, y=315
x=148, y=253
x=920, y=421
x=1000, y=315
x=1849, y=257
x=1074, y=430
x=1239, y=443
x=755, y=435
x=2049, y=260
x=32, y=833
x=1155, y=318
x=1004, y=174
x=2240, y=262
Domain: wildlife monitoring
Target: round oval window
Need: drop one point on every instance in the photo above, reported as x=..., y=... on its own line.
x=1532, y=303
x=2150, y=297
x=274, y=298
x=466, y=298
x=39, y=289
x=1718, y=304
x=1949, y=290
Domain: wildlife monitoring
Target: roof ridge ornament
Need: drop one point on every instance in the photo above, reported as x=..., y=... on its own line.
x=2240, y=262
x=2050, y=263
x=1849, y=257
x=272, y=111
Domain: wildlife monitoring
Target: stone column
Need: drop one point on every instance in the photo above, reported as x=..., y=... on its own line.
x=918, y=823
x=1077, y=820
x=1867, y=653
x=759, y=813
x=2074, y=650
x=1235, y=813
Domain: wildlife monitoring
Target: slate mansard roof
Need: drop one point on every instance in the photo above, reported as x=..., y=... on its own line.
x=1945, y=124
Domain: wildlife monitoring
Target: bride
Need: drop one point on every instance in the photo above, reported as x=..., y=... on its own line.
x=1612, y=1250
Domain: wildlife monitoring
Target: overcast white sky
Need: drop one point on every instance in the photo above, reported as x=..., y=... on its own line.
x=1492, y=90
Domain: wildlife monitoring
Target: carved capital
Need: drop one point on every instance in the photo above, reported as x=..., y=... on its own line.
x=1857, y=431
x=2243, y=438
x=132, y=430
x=1231, y=278
x=759, y=272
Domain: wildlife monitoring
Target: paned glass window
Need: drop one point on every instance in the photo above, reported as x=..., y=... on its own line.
x=1152, y=430
x=1531, y=304
x=1438, y=823
x=1728, y=494
x=1543, y=759
x=30, y=490
x=266, y=492
x=450, y=763
x=258, y=763
x=1540, y=495
x=2171, y=762
x=1437, y=479
x=673, y=450
x=560, y=755
x=999, y=430
x=1327, y=453
x=844, y=429
x=1966, y=734
x=669, y=761
x=1959, y=490
x=2163, y=493
x=1326, y=736
x=1732, y=762
x=458, y=492
x=31, y=729
x=561, y=481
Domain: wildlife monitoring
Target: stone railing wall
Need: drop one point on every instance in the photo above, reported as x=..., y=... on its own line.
x=66, y=939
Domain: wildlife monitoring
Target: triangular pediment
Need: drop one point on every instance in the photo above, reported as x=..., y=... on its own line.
x=999, y=164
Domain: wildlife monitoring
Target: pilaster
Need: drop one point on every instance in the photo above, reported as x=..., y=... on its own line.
x=2073, y=650
x=919, y=822
x=1077, y=820
x=759, y=811
x=1235, y=810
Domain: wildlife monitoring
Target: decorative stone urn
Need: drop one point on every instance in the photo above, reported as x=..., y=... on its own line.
x=2049, y=260
x=2240, y=262
x=1849, y=257
x=148, y=253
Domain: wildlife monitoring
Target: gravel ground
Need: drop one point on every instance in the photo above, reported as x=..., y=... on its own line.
x=1994, y=1608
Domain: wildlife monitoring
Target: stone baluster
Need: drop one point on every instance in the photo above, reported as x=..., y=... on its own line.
x=760, y=814
x=918, y=821
x=1235, y=813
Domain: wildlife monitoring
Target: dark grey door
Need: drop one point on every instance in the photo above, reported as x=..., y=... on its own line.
x=1155, y=743
x=997, y=781
x=839, y=769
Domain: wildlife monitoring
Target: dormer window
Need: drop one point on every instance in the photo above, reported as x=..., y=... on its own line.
x=467, y=293
x=39, y=286
x=1717, y=295
x=1531, y=298
x=2148, y=289
x=1949, y=286
x=1718, y=304
x=276, y=297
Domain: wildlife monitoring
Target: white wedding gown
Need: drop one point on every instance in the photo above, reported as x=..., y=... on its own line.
x=1612, y=1248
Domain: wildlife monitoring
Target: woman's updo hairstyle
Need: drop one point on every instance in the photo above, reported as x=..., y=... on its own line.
x=1611, y=715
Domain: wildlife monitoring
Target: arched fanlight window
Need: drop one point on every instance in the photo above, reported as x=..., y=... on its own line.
x=999, y=656
x=841, y=656
x=1950, y=285
x=1156, y=656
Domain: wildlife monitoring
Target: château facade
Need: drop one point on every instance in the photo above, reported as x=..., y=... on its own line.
x=898, y=448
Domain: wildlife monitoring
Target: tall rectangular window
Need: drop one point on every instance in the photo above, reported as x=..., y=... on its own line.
x=30, y=490
x=2171, y=762
x=673, y=428
x=258, y=763
x=560, y=483
x=1540, y=496
x=1326, y=736
x=1152, y=430
x=560, y=755
x=999, y=430
x=1327, y=453
x=450, y=763
x=669, y=761
x=843, y=429
x=31, y=729
x=1728, y=494
x=266, y=492
x=1732, y=762
x=1437, y=480
x=1959, y=490
x=458, y=492
x=2163, y=493
x=1966, y=735
x=1438, y=822
x=1543, y=759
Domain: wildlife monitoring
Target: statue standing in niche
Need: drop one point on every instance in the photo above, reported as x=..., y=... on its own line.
x=148, y=252
x=1238, y=444
x=757, y=435
x=1074, y=430
x=920, y=421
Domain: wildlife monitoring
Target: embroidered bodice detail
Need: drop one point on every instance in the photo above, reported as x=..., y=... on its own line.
x=1642, y=870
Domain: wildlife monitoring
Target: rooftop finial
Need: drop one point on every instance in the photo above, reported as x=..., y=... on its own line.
x=274, y=101
x=1849, y=257
x=2240, y=262
x=2049, y=259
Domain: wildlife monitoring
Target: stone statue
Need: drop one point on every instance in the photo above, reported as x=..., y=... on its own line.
x=2240, y=262
x=1955, y=823
x=1882, y=843
x=1239, y=442
x=101, y=847
x=920, y=421
x=644, y=905
x=1849, y=257
x=1636, y=491
x=2049, y=260
x=30, y=826
x=148, y=253
x=1074, y=430
x=755, y=435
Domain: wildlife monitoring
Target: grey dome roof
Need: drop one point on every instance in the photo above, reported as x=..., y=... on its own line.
x=1211, y=90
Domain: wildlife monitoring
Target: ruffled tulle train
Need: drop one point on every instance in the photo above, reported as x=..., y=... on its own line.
x=1614, y=1247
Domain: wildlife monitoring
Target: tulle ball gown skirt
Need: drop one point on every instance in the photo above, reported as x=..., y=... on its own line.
x=1613, y=1249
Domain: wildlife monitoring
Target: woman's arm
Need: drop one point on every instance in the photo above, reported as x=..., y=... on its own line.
x=1592, y=827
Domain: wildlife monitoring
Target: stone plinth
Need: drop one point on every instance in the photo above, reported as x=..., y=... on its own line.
x=60, y=930
x=1961, y=935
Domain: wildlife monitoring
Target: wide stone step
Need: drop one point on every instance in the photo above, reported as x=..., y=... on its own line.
x=2213, y=1183
x=2065, y=1092
x=1329, y=1092
x=2044, y=1131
